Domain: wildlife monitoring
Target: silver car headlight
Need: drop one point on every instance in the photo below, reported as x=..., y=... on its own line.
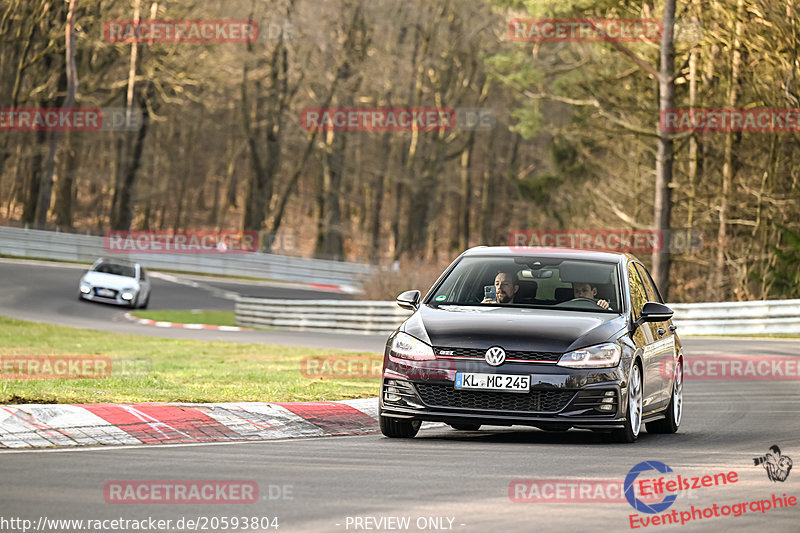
x=86, y=288
x=408, y=347
x=127, y=294
x=604, y=355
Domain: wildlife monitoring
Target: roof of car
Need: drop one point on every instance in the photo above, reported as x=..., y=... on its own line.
x=511, y=251
x=121, y=262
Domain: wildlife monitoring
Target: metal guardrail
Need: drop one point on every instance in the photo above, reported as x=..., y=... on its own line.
x=381, y=318
x=19, y=242
x=738, y=318
x=332, y=316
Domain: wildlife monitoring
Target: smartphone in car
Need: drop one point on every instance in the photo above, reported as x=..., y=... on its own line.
x=490, y=292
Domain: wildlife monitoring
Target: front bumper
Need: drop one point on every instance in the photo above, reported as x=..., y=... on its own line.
x=562, y=397
x=116, y=299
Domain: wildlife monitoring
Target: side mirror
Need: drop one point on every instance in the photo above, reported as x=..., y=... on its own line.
x=409, y=300
x=654, y=312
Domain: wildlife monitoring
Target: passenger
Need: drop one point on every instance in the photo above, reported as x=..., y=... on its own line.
x=587, y=290
x=505, y=283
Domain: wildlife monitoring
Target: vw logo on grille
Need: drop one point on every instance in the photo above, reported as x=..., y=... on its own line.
x=495, y=356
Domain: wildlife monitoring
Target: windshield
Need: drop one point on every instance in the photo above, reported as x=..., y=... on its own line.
x=530, y=281
x=117, y=270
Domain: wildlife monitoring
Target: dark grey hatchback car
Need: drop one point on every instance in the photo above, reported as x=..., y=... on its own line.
x=543, y=337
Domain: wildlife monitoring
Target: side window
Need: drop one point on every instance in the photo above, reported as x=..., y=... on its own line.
x=638, y=295
x=142, y=274
x=649, y=286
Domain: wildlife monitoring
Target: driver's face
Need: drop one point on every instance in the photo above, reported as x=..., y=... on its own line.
x=583, y=290
x=506, y=288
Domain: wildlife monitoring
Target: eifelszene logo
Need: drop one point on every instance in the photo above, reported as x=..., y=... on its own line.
x=630, y=495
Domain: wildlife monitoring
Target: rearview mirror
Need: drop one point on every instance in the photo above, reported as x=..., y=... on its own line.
x=654, y=312
x=409, y=300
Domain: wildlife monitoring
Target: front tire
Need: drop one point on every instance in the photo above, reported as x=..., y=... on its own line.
x=399, y=428
x=671, y=422
x=633, y=415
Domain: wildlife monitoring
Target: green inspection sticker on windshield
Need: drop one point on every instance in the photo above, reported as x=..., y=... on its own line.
x=441, y=298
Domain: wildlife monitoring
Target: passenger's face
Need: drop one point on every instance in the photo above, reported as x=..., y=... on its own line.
x=583, y=290
x=505, y=288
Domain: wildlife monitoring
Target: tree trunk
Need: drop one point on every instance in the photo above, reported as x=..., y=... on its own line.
x=133, y=143
x=423, y=201
x=330, y=242
x=46, y=189
x=664, y=157
x=466, y=190
x=65, y=187
x=127, y=195
x=376, y=205
x=693, y=55
x=718, y=275
x=18, y=185
x=31, y=189
x=488, y=194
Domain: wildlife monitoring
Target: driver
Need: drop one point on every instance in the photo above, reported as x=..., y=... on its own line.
x=505, y=283
x=587, y=290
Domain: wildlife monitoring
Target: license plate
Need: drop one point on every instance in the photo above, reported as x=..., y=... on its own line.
x=498, y=382
x=108, y=293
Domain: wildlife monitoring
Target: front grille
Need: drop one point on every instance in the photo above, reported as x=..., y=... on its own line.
x=442, y=395
x=518, y=355
x=110, y=295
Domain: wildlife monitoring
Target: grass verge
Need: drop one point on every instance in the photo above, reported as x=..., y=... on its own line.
x=149, y=369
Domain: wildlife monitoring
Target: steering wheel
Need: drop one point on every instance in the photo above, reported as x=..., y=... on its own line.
x=577, y=300
x=592, y=300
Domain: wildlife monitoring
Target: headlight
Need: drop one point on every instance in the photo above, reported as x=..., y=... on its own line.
x=85, y=289
x=127, y=294
x=600, y=356
x=406, y=346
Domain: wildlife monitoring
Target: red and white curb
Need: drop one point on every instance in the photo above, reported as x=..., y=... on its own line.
x=39, y=426
x=200, y=283
x=163, y=324
x=345, y=289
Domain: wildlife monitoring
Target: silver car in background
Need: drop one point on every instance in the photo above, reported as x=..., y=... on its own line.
x=116, y=283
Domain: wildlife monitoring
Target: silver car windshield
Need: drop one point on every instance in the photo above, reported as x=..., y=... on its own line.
x=117, y=270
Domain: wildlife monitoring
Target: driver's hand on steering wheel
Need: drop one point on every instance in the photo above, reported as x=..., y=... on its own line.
x=602, y=303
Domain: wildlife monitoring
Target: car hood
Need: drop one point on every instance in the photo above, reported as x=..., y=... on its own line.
x=513, y=329
x=109, y=281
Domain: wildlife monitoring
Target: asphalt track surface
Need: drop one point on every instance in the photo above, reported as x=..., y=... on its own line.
x=442, y=474
x=48, y=292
